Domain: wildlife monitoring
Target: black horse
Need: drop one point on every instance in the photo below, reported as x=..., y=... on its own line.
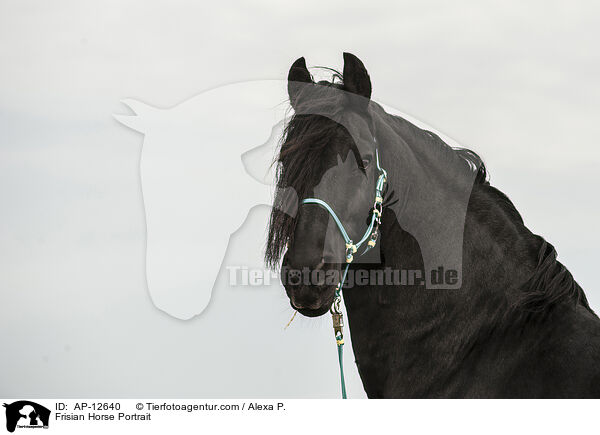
x=509, y=322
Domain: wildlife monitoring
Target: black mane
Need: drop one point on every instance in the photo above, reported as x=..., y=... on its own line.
x=550, y=285
x=551, y=282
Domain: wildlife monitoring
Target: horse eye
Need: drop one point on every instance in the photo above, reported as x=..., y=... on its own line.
x=366, y=162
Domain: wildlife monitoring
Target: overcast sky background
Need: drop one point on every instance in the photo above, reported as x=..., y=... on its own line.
x=515, y=81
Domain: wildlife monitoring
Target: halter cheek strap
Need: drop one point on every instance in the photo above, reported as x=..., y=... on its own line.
x=371, y=234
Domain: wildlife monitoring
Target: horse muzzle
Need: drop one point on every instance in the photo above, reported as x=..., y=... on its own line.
x=311, y=290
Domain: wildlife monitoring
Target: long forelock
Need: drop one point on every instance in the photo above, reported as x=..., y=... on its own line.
x=300, y=158
x=299, y=167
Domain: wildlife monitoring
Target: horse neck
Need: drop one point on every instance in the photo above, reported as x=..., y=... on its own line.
x=499, y=256
x=456, y=220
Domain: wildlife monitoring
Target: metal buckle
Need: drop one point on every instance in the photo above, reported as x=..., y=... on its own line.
x=350, y=249
x=338, y=319
x=336, y=306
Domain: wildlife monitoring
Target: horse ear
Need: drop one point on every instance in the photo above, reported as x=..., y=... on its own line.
x=298, y=74
x=356, y=78
x=142, y=112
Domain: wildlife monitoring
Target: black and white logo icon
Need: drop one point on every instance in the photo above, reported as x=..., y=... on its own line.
x=25, y=414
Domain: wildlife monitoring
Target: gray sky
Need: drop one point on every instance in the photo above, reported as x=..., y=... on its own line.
x=516, y=82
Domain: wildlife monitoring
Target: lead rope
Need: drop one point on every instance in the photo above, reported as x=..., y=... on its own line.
x=338, y=325
x=372, y=234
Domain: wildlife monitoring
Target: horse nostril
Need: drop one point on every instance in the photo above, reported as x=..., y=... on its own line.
x=320, y=265
x=296, y=304
x=305, y=304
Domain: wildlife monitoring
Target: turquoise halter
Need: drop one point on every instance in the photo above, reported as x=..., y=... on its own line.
x=371, y=234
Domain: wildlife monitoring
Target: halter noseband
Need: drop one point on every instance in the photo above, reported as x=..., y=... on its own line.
x=371, y=234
